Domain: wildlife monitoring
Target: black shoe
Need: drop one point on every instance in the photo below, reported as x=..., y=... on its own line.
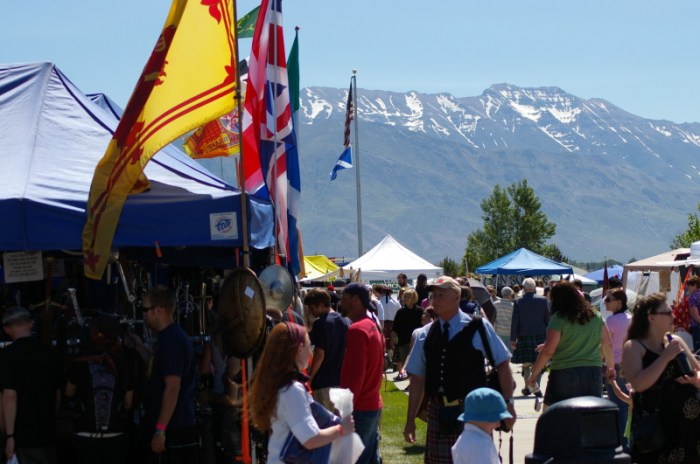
x=538, y=394
x=525, y=391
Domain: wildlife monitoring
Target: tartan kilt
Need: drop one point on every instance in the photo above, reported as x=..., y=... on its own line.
x=525, y=349
x=438, y=447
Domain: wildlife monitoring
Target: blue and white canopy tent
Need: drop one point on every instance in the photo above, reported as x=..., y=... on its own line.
x=524, y=262
x=52, y=137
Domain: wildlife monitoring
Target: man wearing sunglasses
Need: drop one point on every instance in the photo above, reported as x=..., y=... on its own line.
x=169, y=426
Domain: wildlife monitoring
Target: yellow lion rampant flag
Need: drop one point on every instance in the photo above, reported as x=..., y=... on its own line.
x=189, y=80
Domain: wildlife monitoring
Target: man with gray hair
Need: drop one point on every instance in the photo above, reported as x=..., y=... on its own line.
x=31, y=384
x=528, y=329
x=504, y=314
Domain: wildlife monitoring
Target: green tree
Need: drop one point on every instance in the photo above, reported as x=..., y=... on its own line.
x=692, y=234
x=451, y=267
x=512, y=219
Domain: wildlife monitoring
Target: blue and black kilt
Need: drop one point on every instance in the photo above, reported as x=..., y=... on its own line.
x=525, y=349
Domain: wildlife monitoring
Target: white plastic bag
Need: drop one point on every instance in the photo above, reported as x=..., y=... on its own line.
x=347, y=449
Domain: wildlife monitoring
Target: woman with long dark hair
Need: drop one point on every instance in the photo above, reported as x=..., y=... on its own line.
x=279, y=402
x=658, y=382
x=575, y=336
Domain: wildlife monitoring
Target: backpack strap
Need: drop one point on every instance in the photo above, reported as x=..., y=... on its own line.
x=479, y=321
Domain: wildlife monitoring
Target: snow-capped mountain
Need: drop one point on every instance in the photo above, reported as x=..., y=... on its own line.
x=616, y=184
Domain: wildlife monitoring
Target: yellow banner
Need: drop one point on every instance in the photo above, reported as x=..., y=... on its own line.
x=189, y=80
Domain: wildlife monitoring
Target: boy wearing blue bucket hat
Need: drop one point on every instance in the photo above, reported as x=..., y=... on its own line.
x=484, y=409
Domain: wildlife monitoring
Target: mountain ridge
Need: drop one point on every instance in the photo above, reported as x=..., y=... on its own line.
x=616, y=184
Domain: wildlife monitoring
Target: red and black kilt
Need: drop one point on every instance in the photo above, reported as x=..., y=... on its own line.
x=438, y=447
x=388, y=327
x=525, y=349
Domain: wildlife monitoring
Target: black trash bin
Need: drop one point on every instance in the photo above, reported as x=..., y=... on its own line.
x=578, y=430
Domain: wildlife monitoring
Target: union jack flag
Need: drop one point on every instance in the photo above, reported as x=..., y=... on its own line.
x=270, y=158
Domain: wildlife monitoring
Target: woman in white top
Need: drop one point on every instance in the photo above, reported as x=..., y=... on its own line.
x=618, y=323
x=279, y=401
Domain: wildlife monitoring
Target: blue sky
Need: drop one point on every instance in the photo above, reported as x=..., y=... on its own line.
x=640, y=55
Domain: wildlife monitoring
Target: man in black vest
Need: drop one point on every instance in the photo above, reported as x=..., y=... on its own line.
x=446, y=363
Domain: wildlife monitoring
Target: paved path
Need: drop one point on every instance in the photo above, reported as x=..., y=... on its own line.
x=524, y=430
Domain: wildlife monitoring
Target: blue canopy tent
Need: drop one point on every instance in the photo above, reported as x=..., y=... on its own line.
x=52, y=137
x=523, y=262
x=612, y=271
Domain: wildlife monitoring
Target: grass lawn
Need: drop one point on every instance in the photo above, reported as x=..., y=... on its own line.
x=393, y=447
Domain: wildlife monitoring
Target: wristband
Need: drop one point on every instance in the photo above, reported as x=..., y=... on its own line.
x=160, y=427
x=340, y=430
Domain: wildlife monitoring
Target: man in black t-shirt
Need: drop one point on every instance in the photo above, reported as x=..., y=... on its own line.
x=169, y=397
x=30, y=377
x=328, y=337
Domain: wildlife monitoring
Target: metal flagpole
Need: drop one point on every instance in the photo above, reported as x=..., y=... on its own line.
x=239, y=164
x=272, y=187
x=356, y=162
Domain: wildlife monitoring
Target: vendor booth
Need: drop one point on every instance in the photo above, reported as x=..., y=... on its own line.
x=52, y=137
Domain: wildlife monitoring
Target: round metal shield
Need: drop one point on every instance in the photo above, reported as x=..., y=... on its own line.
x=241, y=311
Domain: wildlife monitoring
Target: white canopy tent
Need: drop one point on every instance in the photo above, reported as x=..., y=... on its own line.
x=657, y=273
x=383, y=262
x=388, y=258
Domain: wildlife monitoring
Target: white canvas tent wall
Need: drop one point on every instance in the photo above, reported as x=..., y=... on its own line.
x=656, y=273
x=388, y=258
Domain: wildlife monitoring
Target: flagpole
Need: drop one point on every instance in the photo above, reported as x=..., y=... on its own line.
x=240, y=163
x=357, y=168
x=274, y=196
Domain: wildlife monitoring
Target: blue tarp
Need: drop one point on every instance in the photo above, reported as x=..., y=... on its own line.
x=524, y=262
x=612, y=271
x=52, y=137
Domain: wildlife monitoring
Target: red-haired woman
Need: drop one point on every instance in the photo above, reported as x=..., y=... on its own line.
x=279, y=402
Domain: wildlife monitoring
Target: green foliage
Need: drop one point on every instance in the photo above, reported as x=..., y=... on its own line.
x=512, y=220
x=451, y=267
x=392, y=446
x=692, y=234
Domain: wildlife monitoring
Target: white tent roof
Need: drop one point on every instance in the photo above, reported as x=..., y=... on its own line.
x=661, y=262
x=388, y=258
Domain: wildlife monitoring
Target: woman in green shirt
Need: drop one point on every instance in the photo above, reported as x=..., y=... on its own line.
x=575, y=335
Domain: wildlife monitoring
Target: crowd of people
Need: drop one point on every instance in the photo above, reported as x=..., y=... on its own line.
x=161, y=400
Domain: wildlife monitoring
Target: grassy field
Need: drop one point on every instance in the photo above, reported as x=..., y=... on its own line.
x=393, y=447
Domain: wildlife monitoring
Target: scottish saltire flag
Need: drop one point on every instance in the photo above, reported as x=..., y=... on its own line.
x=189, y=80
x=344, y=162
x=345, y=159
x=270, y=160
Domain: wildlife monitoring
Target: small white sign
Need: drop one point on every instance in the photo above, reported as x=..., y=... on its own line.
x=249, y=292
x=23, y=266
x=223, y=226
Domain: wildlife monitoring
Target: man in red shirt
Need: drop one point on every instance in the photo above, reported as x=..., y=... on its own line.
x=363, y=366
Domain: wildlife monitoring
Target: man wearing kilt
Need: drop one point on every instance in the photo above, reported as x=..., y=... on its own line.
x=528, y=329
x=446, y=363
